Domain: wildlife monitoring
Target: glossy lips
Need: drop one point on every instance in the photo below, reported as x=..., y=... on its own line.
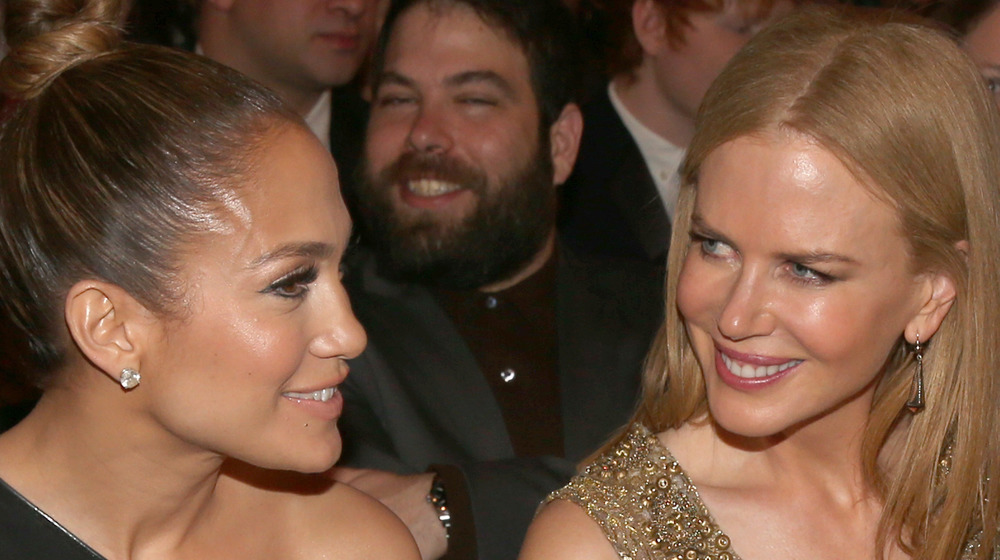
x=739, y=371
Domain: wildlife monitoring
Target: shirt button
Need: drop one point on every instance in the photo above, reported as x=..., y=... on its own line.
x=491, y=302
x=508, y=375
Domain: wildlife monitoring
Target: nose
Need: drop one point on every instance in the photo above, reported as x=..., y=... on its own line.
x=430, y=132
x=340, y=334
x=746, y=312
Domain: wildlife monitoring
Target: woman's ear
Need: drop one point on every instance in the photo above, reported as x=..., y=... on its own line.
x=940, y=296
x=108, y=325
x=564, y=137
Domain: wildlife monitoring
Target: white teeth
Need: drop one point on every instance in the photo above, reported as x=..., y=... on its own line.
x=431, y=187
x=746, y=371
x=322, y=395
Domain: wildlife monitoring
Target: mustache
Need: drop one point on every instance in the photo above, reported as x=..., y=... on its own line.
x=414, y=165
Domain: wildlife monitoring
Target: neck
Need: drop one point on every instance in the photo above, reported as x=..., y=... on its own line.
x=824, y=452
x=114, y=478
x=654, y=110
x=533, y=266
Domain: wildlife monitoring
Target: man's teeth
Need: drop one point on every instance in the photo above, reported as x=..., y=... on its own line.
x=431, y=187
x=322, y=395
x=747, y=371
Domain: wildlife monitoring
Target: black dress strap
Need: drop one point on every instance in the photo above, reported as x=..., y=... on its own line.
x=28, y=533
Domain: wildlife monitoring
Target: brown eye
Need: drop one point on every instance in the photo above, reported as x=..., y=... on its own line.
x=293, y=285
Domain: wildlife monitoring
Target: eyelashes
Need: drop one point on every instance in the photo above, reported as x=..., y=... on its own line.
x=714, y=250
x=295, y=284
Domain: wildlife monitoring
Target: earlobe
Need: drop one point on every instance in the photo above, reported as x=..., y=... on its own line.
x=930, y=316
x=564, y=136
x=103, y=323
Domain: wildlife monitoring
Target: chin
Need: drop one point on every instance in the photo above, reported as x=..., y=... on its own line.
x=304, y=456
x=318, y=460
x=743, y=422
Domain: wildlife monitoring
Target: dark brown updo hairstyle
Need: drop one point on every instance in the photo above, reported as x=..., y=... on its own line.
x=111, y=156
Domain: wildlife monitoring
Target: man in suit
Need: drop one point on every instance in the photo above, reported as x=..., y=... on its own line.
x=497, y=359
x=309, y=52
x=620, y=198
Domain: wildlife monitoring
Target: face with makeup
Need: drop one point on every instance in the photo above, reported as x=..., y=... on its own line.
x=251, y=368
x=796, y=287
x=983, y=44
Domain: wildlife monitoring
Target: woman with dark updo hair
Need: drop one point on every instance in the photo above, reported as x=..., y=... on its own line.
x=170, y=245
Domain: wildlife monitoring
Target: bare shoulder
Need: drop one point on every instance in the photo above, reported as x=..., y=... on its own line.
x=311, y=516
x=361, y=527
x=562, y=529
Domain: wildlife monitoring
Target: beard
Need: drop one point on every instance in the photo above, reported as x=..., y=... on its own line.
x=504, y=231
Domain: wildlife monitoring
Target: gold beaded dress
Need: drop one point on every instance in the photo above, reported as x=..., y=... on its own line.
x=647, y=506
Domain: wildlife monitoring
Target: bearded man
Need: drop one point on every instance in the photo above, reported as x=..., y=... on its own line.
x=496, y=359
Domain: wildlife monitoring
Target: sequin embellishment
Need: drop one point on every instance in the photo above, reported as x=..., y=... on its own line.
x=647, y=505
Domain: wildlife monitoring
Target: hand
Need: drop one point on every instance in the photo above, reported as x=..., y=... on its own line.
x=406, y=496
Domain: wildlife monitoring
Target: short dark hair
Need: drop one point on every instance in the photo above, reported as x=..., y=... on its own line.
x=544, y=29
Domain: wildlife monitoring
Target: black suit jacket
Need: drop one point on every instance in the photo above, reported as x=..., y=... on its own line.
x=610, y=204
x=417, y=397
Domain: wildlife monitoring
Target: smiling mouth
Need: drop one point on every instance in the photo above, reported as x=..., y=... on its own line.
x=747, y=371
x=431, y=187
x=323, y=395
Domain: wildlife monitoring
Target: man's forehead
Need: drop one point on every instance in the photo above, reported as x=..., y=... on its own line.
x=427, y=18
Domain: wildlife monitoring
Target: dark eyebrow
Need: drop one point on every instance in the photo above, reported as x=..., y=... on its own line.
x=314, y=249
x=482, y=76
x=462, y=78
x=395, y=78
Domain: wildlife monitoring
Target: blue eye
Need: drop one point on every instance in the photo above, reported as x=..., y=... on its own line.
x=803, y=271
x=715, y=248
x=806, y=275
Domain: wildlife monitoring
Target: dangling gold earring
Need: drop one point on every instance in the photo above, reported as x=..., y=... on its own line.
x=916, y=402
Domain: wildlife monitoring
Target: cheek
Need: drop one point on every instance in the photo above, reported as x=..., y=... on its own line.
x=841, y=330
x=501, y=144
x=697, y=293
x=384, y=139
x=240, y=347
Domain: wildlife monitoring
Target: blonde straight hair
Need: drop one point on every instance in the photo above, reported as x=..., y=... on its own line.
x=909, y=115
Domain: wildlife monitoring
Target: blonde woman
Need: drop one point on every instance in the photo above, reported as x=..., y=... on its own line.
x=825, y=383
